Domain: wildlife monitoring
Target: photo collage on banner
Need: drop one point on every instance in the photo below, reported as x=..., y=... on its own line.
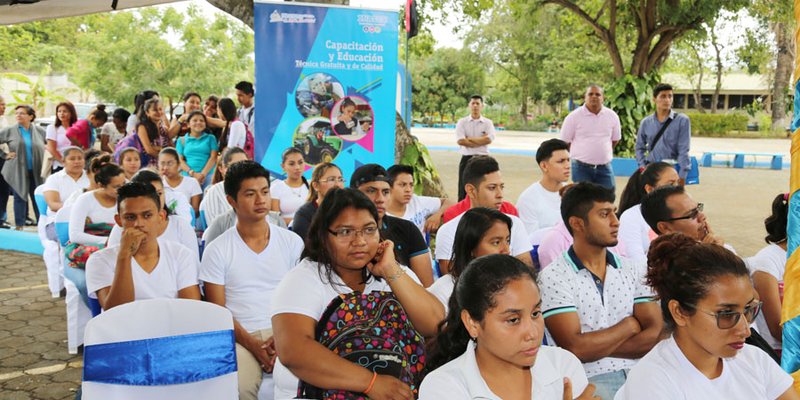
x=326, y=80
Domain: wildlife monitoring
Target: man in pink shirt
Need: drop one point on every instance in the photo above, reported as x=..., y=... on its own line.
x=592, y=131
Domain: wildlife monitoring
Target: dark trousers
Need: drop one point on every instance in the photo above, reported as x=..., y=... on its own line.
x=461, y=165
x=5, y=191
x=21, y=203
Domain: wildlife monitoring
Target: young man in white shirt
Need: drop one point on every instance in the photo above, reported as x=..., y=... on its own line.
x=141, y=267
x=423, y=211
x=474, y=133
x=539, y=205
x=596, y=304
x=484, y=186
x=243, y=266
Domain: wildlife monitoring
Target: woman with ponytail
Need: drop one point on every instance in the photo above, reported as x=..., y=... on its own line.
x=708, y=304
x=634, y=233
x=767, y=268
x=490, y=345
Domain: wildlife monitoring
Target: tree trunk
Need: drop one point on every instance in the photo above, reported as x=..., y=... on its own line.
x=243, y=11
x=783, y=71
x=718, y=69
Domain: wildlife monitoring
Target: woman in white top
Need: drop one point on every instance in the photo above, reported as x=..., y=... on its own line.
x=174, y=229
x=214, y=202
x=61, y=185
x=97, y=206
x=169, y=164
x=235, y=133
x=343, y=254
x=708, y=302
x=290, y=194
x=767, y=268
x=634, y=233
x=490, y=345
x=56, y=134
x=480, y=232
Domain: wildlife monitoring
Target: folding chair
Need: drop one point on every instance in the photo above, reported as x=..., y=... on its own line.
x=161, y=349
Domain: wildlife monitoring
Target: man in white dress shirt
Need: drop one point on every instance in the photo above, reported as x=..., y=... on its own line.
x=474, y=133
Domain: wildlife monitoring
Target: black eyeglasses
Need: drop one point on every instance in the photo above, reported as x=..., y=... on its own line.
x=729, y=319
x=692, y=214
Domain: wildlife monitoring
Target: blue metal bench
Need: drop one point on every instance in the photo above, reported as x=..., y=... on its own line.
x=738, y=158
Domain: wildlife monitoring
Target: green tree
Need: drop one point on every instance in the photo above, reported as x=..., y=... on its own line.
x=444, y=81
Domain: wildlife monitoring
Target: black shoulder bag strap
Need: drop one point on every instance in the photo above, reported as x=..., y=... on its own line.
x=660, y=133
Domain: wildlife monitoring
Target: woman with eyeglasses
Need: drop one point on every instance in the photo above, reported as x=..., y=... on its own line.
x=344, y=254
x=708, y=303
x=325, y=177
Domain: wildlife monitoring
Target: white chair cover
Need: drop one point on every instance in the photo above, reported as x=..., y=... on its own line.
x=78, y=313
x=51, y=255
x=130, y=344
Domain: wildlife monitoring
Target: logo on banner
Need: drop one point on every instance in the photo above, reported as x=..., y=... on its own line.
x=288, y=18
x=372, y=23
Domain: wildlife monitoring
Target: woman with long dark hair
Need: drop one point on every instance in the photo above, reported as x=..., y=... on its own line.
x=56, y=134
x=490, y=346
x=325, y=177
x=343, y=254
x=481, y=231
x=152, y=131
x=708, y=304
x=234, y=133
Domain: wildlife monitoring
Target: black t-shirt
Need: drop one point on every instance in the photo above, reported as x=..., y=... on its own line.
x=408, y=241
x=302, y=218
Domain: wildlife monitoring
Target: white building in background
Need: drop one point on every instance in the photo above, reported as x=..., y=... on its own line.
x=739, y=89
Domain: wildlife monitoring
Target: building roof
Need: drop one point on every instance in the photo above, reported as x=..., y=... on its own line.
x=732, y=83
x=48, y=9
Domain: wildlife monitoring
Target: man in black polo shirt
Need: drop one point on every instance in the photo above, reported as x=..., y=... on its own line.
x=410, y=248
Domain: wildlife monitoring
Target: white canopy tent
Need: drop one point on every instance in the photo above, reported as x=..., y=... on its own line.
x=18, y=11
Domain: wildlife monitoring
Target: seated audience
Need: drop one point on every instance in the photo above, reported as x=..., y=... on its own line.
x=291, y=193
x=174, y=229
x=325, y=177
x=343, y=254
x=214, y=202
x=198, y=150
x=484, y=186
x=56, y=133
x=767, y=268
x=180, y=124
x=228, y=219
x=490, y=345
x=131, y=162
x=539, y=204
x=81, y=133
x=480, y=232
x=633, y=229
x=423, y=211
x=114, y=131
x=595, y=303
x=90, y=223
x=141, y=266
x=464, y=205
x=169, y=167
x=708, y=303
x=670, y=209
x=242, y=267
x=409, y=246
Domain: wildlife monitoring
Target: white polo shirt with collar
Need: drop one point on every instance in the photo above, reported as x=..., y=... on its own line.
x=461, y=378
x=567, y=286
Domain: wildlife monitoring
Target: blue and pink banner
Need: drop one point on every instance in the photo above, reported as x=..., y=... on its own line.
x=326, y=80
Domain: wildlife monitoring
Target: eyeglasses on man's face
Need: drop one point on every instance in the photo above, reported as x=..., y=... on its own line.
x=693, y=213
x=729, y=319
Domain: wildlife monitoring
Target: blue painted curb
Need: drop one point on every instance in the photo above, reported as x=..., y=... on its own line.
x=24, y=242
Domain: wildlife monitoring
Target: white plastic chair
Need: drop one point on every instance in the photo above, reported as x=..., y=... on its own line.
x=78, y=313
x=51, y=254
x=161, y=349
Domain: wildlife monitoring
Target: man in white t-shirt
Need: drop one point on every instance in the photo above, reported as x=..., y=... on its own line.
x=242, y=268
x=484, y=186
x=539, y=205
x=141, y=267
x=596, y=304
x=423, y=211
